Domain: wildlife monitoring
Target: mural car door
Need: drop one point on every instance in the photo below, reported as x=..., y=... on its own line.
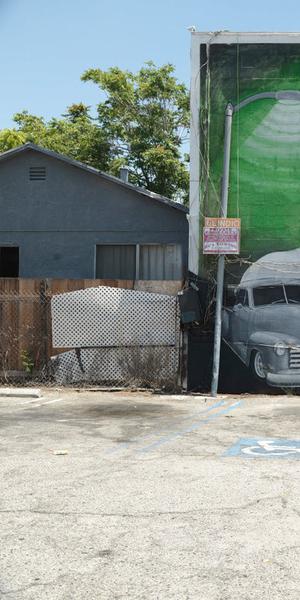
x=239, y=323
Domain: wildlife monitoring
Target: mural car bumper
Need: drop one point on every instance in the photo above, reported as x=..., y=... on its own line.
x=287, y=378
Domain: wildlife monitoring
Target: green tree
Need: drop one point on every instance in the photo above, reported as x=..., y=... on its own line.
x=142, y=123
x=146, y=117
x=10, y=138
x=75, y=135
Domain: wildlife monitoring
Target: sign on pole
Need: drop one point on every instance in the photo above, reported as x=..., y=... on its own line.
x=221, y=236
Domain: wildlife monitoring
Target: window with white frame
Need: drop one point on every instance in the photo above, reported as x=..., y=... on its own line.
x=141, y=261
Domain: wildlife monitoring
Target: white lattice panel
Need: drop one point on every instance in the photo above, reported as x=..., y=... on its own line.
x=150, y=365
x=104, y=316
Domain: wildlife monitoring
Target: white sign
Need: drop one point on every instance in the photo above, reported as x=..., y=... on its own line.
x=221, y=236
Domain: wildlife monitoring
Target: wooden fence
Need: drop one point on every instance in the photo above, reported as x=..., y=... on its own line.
x=25, y=318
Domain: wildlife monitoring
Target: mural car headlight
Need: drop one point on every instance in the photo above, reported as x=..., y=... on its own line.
x=279, y=348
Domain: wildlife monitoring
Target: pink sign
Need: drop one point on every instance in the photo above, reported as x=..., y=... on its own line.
x=221, y=236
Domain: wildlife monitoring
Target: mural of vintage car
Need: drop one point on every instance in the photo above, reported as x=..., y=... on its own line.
x=263, y=325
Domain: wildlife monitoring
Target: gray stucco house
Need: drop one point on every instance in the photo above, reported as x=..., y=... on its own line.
x=62, y=219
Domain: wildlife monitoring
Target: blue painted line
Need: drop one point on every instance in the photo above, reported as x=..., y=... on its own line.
x=125, y=445
x=234, y=450
x=265, y=448
x=190, y=429
x=206, y=410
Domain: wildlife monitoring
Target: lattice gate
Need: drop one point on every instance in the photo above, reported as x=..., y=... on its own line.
x=116, y=336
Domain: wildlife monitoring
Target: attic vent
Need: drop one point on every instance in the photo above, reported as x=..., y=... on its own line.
x=37, y=173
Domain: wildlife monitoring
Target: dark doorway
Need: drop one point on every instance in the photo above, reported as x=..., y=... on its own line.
x=9, y=261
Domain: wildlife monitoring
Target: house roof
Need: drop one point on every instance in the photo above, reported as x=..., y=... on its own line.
x=75, y=163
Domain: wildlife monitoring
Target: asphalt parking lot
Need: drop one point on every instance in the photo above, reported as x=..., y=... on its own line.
x=141, y=496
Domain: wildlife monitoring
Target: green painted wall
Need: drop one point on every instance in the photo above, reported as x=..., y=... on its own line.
x=265, y=153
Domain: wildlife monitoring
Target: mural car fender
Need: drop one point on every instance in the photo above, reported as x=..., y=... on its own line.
x=263, y=326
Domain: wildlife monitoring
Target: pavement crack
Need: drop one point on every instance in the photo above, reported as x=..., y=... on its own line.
x=223, y=509
x=33, y=585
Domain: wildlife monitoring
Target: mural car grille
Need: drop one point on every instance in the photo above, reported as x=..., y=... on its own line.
x=294, y=358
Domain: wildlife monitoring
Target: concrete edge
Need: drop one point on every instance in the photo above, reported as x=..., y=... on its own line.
x=20, y=393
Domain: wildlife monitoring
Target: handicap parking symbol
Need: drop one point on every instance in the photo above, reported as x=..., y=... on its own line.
x=265, y=448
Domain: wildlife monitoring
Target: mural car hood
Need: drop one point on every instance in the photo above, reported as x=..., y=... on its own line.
x=281, y=319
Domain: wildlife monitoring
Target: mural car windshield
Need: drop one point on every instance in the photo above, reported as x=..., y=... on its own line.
x=277, y=294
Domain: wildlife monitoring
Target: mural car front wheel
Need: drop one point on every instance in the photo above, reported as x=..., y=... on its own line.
x=257, y=365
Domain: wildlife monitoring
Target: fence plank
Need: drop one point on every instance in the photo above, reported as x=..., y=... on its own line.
x=25, y=317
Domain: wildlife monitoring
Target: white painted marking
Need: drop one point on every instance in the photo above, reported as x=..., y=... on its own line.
x=50, y=402
x=74, y=420
x=35, y=405
x=32, y=401
x=267, y=446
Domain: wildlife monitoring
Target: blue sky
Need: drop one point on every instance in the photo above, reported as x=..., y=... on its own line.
x=47, y=44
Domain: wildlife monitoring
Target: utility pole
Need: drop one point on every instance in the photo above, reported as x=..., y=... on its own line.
x=221, y=258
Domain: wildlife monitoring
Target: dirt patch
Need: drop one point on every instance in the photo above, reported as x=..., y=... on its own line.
x=119, y=411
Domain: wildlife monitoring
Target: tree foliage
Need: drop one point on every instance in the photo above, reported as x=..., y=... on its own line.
x=75, y=135
x=146, y=115
x=10, y=138
x=142, y=124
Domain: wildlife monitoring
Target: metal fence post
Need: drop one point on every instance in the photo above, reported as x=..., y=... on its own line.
x=44, y=325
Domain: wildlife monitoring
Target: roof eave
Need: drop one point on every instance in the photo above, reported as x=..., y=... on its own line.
x=110, y=178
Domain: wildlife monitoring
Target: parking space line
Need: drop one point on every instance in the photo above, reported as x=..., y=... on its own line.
x=50, y=402
x=194, y=427
x=36, y=405
x=75, y=420
x=32, y=401
x=125, y=445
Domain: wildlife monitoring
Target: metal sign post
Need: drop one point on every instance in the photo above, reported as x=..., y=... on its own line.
x=221, y=259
